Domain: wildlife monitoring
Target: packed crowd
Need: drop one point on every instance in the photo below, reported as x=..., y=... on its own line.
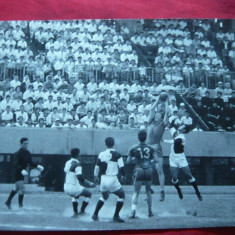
x=185, y=52
x=55, y=85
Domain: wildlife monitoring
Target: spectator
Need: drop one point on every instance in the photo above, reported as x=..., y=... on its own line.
x=20, y=122
x=68, y=104
x=29, y=106
x=202, y=91
x=22, y=113
x=206, y=100
x=191, y=94
x=219, y=101
x=227, y=92
x=214, y=115
x=17, y=93
x=7, y=115
x=69, y=123
x=173, y=107
x=131, y=106
x=181, y=90
x=201, y=109
x=81, y=110
x=232, y=99
x=40, y=123
x=57, y=124
x=131, y=124
x=87, y=120
x=187, y=120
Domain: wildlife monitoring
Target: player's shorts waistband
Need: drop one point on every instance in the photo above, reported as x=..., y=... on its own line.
x=71, y=184
x=108, y=175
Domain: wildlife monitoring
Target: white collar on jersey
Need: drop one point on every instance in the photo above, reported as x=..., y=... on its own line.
x=74, y=159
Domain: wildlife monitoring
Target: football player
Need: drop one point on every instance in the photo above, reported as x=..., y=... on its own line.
x=178, y=159
x=143, y=155
x=22, y=159
x=75, y=184
x=108, y=164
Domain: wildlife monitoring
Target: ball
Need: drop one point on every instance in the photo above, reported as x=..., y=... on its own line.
x=163, y=96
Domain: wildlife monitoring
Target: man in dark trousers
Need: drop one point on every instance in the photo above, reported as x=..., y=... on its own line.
x=23, y=158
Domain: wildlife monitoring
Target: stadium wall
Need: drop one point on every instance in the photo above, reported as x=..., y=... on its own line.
x=91, y=142
x=211, y=155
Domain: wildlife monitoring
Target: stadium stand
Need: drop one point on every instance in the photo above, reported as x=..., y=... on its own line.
x=105, y=74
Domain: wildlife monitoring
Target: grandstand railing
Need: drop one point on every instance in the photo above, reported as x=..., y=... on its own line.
x=194, y=114
x=210, y=78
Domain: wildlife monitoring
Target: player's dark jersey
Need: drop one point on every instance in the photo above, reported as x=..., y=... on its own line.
x=109, y=162
x=23, y=158
x=179, y=143
x=143, y=154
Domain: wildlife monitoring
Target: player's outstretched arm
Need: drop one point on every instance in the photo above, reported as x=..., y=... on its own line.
x=168, y=141
x=86, y=183
x=166, y=115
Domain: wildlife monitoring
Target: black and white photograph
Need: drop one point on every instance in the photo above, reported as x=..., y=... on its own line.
x=125, y=124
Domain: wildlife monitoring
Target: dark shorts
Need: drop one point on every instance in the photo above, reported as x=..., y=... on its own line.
x=141, y=174
x=158, y=149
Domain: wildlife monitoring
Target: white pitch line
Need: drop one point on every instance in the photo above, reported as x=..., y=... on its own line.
x=37, y=227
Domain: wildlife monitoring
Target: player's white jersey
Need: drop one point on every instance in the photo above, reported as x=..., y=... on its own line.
x=109, y=161
x=72, y=169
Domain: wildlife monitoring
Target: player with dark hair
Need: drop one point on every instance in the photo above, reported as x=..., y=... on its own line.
x=143, y=155
x=22, y=159
x=157, y=124
x=178, y=160
x=108, y=164
x=75, y=183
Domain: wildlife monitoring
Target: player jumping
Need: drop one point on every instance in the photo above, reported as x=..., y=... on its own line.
x=157, y=125
x=22, y=159
x=178, y=160
x=74, y=183
x=143, y=155
x=108, y=164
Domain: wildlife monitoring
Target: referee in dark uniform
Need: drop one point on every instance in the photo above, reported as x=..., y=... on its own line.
x=23, y=158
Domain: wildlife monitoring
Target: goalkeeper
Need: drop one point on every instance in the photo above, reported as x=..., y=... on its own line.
x=75, y=184
x=22, y=159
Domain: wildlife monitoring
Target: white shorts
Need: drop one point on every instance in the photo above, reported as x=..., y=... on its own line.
x=72, y=189
x=178, y=160
x=109, y=183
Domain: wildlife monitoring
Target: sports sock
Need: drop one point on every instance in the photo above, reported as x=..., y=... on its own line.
x=177, y=186
x=12, y=194
x=99, y=205
x=118, y=208
x=84, y=205
x=194, y=184
x=75, y=207
x=133, y=207
x=20, y=199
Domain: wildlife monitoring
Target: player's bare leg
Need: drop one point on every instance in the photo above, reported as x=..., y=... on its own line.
x=87, y=194
x=161, y=177
x=175, y=181
x=149, y=197
x=121, y=197
x=192, y=181
x=137, y=187
x=99, y=205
